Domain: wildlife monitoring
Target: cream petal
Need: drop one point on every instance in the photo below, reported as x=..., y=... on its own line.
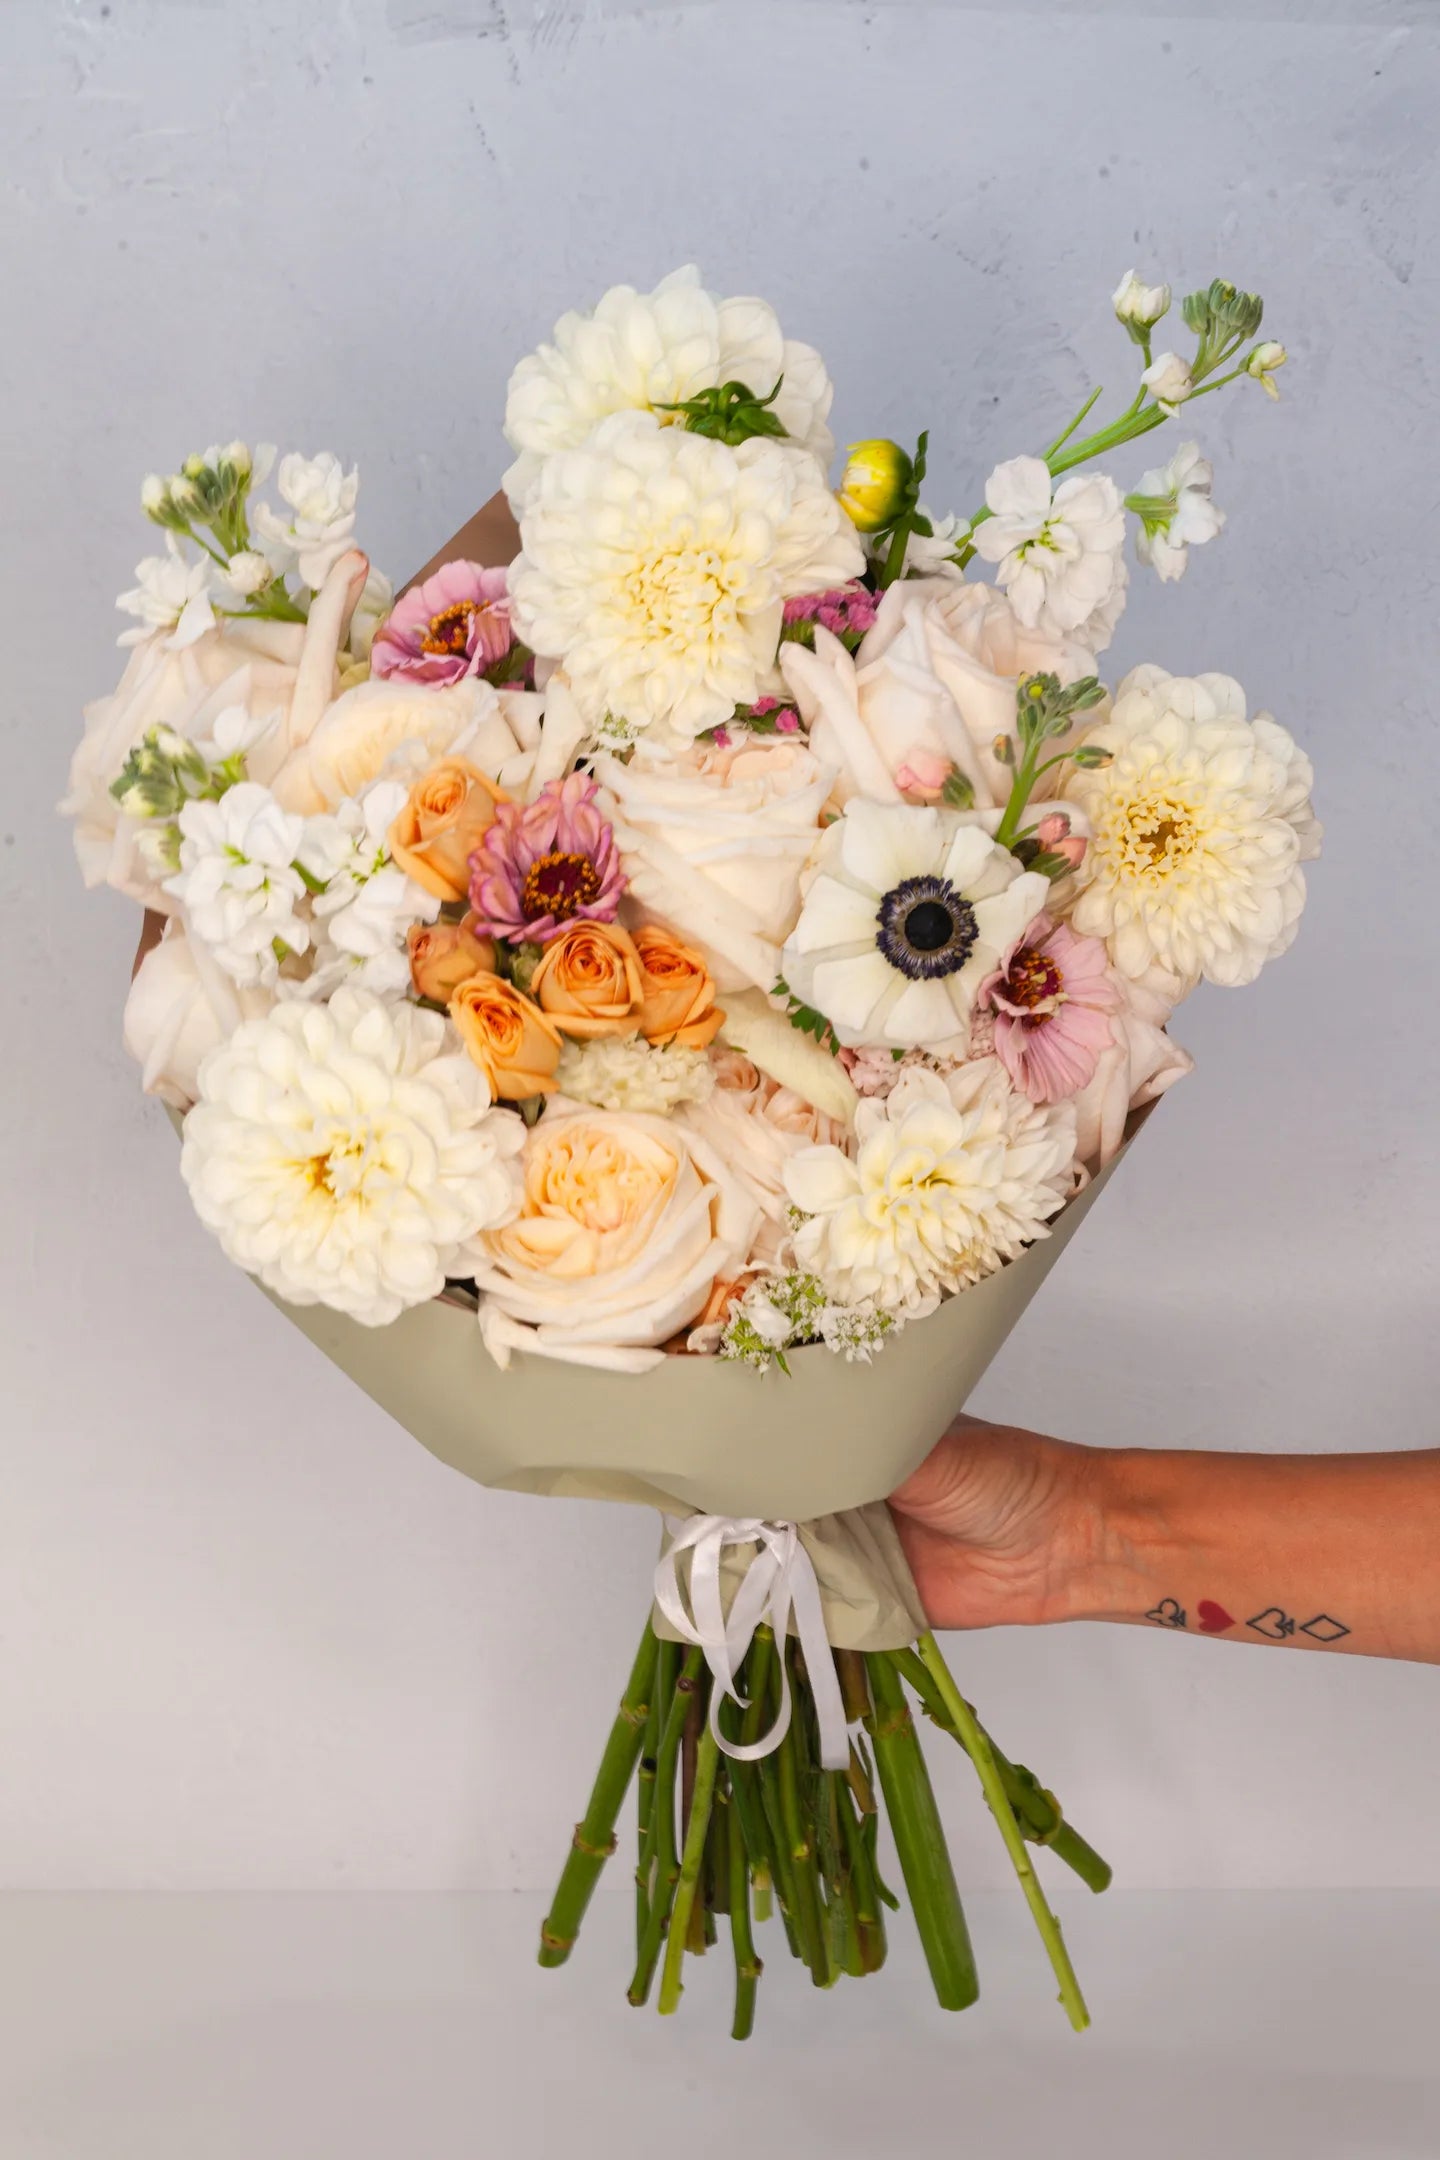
x=848, y=991
x=968, y=856
x=882, y=845
x=924, y=1015
x=834, y=914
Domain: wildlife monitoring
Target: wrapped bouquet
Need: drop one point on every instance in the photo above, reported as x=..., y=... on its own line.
x=652, y=1001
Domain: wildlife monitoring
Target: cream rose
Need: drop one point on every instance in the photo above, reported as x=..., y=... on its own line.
x=626, y=1222
x=930, y=688
x=373, y=729
x=1140, y=1063
x=713, y=843
x=181, y=1006
x=590, y=981
x=436, y=833
x=758, y=1125
x=248, y=664
x=510, y=1039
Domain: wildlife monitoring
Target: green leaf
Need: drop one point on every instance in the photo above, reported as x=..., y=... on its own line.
x=806, y=1019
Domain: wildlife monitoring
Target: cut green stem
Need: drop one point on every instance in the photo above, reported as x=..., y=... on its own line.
x=748, y=1966
x=594, y=1839
x=707, y=1763
x=919, y=1838
x=977, y=1747
x=659, y=1861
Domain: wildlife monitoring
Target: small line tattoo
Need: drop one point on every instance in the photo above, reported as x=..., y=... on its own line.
x=1168, y=1613
x=1273, y=1623
x=1324, y=1628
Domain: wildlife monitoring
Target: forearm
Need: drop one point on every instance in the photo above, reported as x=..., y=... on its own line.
x=1308, y=1552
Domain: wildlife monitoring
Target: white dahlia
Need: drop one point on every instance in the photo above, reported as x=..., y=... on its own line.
x=640, y=351
x=656, y=564
x=950, y=1178
x=908, y=909
x=1199, y=825
x=349, y=1155
x=1058, y=551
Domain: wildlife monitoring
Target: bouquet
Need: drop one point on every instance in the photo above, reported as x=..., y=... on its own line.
x=652, y=1001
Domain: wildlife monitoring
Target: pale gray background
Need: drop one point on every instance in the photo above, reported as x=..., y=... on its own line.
x=252, y=1636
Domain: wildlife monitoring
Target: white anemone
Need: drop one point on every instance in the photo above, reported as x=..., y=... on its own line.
x=907, y=911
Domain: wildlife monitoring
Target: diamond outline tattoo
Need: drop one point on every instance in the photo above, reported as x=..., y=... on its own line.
x=1324, y=1628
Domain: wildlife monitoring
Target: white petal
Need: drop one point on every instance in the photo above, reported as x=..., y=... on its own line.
x=882, y=845
x=848, y=991
x=924, y=1015
x=834, y=914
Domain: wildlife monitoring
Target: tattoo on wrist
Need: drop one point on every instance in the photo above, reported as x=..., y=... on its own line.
x=1274, y=1623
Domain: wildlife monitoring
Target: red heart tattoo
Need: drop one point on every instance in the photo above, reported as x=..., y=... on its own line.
x=1213, y=1618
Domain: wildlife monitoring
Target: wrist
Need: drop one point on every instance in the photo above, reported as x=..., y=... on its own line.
x=1118, y=1538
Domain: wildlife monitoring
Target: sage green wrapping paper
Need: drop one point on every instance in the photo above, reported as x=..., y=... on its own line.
x=821, y=1448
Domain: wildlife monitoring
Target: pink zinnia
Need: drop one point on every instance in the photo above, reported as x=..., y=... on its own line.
x=1051, y=997
x=541, y=865
x=456, y=624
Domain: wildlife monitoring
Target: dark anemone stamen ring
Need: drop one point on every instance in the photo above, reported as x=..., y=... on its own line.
x=926, y=928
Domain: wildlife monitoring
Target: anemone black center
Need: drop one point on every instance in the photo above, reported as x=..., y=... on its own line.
x=929, y=926
x=926, y=928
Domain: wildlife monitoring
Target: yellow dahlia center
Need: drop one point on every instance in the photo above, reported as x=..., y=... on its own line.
x=1156, y=835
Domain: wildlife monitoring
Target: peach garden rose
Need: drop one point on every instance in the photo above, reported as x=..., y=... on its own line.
x=444, y=955
x=626, y=1222
x=590, y=980
x=508, y=1037
x=438, y=830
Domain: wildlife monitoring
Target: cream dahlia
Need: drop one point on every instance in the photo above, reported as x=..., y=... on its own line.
x=908, y=910
x=656, y=564
x=1200, y=823
x=950, y=1178
x=348, y=1154
x=643, y=351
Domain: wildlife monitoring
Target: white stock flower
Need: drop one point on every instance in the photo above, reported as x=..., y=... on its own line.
x=656, y=563
x=713, y=843
x=238, y=883
x=173, y=596
x=247, y=573
x=624, y=1072
x=1058, y=552
x=950, y=1179
x=1139, y=303
x=639, y=351
x=320, y=496
x=1170, y=380
x=932, y=554
x=348, y=1154
x=368, y=903
x=1164, y=543
x=908, y=909
x=1199, y=825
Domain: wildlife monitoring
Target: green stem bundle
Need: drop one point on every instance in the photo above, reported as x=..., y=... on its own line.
x=719, y=1835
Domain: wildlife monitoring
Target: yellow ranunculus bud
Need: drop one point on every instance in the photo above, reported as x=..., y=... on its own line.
x=875, y=483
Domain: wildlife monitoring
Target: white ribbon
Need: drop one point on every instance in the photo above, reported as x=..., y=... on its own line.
x=778, y=1581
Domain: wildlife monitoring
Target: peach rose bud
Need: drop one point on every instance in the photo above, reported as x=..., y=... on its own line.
x=678, y=998
x=589, y=980
x=443, y=955
x=510, y=1039
x=439, y=828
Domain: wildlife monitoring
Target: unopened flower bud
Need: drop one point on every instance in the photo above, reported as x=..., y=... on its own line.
x=237, y=456
x=875, y=484
x=247, y=573
x=153, y=496
x=1139, y=305
x=1263, y=362
x=184, y=495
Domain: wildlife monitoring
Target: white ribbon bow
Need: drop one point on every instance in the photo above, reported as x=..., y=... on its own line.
x=780, y=1579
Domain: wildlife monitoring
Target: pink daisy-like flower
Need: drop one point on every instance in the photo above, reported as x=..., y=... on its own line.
x=541, y=865
x=1051, y=997
x=456, y=624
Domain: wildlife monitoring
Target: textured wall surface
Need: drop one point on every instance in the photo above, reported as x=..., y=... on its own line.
x=251, y=1635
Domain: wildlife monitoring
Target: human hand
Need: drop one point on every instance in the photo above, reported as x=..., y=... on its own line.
x=998, y=1525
